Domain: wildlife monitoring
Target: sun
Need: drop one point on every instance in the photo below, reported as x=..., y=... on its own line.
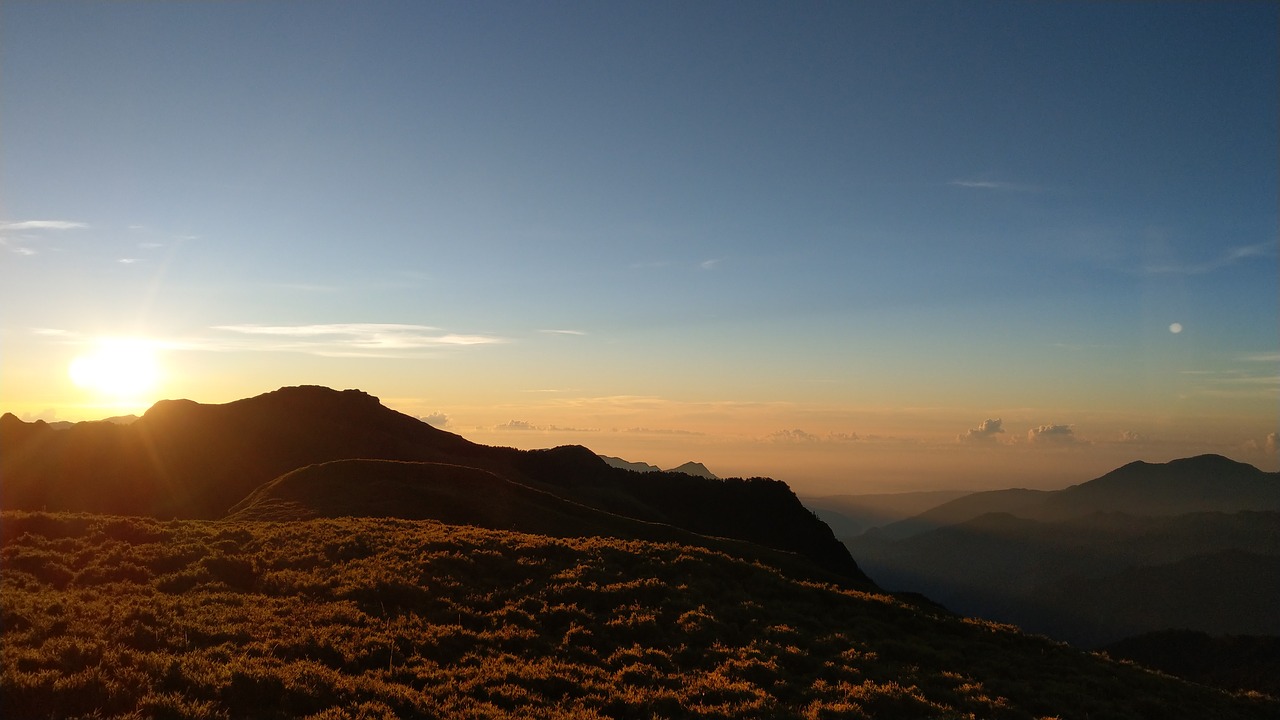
x=119, y=369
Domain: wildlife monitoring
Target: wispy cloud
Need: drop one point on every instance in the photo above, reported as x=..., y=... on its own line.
x=659, y=431
x=526, y=426
x=982, y=184
x=17, y=236
x=1230, y=257
x=710, y=264
x=42, y=225
x=354, y=339
x=563, y=332
x=1237, y=382
x=797, y=436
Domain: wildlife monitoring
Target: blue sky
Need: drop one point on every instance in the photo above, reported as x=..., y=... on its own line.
x=896, y=219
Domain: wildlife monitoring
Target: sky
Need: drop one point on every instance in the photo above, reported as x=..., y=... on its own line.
x=858, y=247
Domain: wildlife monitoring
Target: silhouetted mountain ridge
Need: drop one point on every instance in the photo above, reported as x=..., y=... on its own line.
x=1205, y=483
x=191, y=460
x=689, y=468
x=460, y=495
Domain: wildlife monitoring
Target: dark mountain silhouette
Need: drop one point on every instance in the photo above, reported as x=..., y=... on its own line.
x=1015, y=501
x=189, y=460
x=849, y=515
x=460, y=495
x=115, y=420
x=1206, y=483
x=1094, y=579
x=627, y=465
x=696, y=469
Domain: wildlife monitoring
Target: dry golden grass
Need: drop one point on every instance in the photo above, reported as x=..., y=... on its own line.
x=364, y=618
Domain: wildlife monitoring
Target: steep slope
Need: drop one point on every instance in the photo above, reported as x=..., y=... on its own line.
x=185, y=459
x=378, y=618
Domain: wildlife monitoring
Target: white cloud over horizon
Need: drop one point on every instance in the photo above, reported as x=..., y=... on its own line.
x=797, y=436
x=1051, y=434
x=436, y=419
x=526, y=426
x=985, y=432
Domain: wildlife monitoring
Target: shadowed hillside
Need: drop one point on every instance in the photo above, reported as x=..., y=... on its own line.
x=185, y=459
x=460, y=495
x=1231, y=662
x=378, y=618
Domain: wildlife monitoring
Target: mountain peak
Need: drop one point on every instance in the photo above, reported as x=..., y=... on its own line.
x=694, y=468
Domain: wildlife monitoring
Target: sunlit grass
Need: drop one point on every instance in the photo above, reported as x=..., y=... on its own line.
x=365, y=618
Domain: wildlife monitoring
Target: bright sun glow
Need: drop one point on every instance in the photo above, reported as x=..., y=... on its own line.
x=118, y=368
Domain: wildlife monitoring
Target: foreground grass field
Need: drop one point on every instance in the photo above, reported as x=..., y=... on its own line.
x=367, y=618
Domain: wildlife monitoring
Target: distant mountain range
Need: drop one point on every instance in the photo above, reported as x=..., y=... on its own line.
x=696, y=469
x=850, y=515
x=115, y=420
x=1193, y=543
x=188, y=460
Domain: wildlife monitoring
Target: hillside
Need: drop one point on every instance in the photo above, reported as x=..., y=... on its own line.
x=1231, y=662
x=377, y=618
x=459, y=495
x=183, y=459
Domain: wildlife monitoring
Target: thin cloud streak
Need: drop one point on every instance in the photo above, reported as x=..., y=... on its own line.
x=355, y=339
x=992, y=185
x=1231, y=257
x=43, y=225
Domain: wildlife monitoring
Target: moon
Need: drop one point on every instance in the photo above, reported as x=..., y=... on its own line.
x=121, y=369
x=1175, y=328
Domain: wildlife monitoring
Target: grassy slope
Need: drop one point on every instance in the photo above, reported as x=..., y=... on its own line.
x=369, y=618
